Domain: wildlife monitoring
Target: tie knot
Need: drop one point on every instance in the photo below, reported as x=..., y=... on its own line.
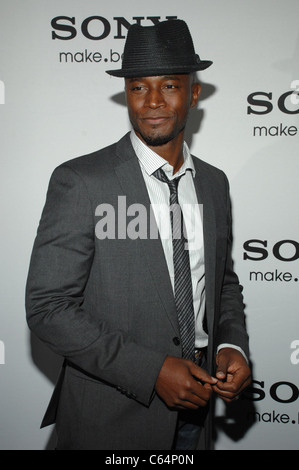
x=173, y=184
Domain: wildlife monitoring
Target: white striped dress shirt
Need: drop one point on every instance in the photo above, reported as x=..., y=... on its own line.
x=159, y=197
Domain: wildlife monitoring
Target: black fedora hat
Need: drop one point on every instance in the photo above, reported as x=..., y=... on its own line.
x=164, y=48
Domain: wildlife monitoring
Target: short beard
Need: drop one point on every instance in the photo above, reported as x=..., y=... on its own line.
x=157, y=141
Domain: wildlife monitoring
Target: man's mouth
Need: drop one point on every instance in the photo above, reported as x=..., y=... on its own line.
x=155, y=120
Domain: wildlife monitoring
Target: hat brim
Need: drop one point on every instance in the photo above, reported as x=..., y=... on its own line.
x=151, y=72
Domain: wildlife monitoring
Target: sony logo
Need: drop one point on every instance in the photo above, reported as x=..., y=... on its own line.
x=283, y=250
x=97, y=27
x=287, y=103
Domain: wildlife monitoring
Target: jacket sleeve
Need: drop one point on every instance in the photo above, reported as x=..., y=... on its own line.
x=60, y=265
x=231, y=328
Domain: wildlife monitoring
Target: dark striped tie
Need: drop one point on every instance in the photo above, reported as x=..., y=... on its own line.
x=182, y=273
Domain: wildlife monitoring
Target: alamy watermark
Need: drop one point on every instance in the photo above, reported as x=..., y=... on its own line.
x=134, y=221
x=295, y=95
x=2, y=92
x=295, y=354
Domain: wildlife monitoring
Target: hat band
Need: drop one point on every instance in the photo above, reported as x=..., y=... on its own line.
x=160, y=61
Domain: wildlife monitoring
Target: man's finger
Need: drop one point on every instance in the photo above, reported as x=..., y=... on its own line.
x=197, y=396
x=201, y=374
x=222, y=366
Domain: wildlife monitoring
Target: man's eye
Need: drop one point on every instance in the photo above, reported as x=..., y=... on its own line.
x=137, y=88
x=170, y=87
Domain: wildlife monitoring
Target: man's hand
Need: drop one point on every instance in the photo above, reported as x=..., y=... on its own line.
x=183, y=385
x=233, y=374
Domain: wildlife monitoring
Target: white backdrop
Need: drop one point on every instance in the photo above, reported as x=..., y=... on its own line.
x=56, y=103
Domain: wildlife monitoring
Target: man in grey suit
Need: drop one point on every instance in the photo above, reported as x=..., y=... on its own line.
x=149, y=335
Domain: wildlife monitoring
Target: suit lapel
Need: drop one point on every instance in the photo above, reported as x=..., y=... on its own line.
x=204, y=190
x=132, y=182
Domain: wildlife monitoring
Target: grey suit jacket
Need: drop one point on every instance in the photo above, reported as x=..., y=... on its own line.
x=107, y=306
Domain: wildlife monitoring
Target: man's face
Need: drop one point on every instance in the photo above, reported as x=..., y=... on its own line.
x=159, y=106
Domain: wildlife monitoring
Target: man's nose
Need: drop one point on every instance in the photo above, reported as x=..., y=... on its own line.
x=154, y=99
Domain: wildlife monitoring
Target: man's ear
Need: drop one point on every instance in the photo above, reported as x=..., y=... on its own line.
x=196, y=89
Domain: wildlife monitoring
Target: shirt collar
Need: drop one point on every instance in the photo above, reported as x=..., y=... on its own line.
x=151, y=161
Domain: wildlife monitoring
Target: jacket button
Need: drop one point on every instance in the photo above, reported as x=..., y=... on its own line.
x=176, y=341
